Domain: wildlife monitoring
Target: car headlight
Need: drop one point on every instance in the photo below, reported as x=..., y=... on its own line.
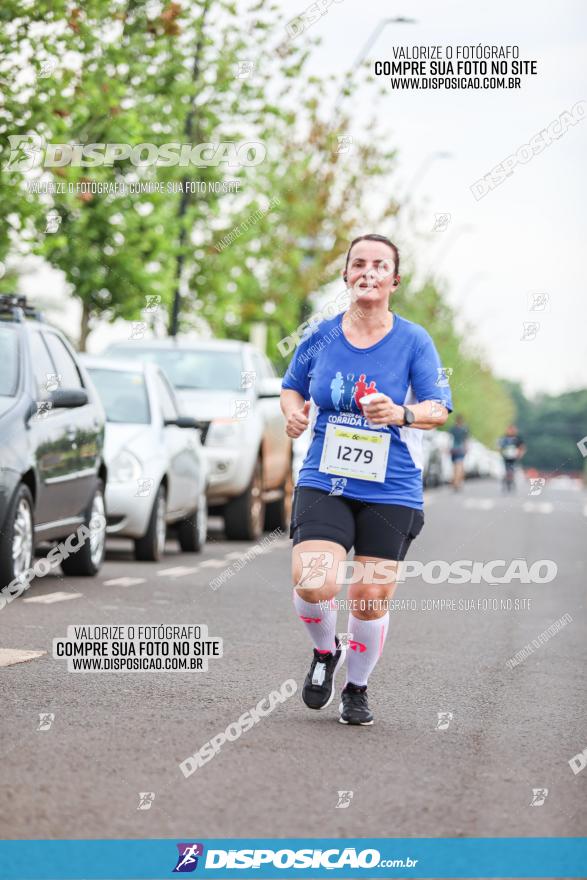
x=125, y=468
x=224, y=432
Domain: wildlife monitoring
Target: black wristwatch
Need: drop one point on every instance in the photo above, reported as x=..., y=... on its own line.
x=409, y=417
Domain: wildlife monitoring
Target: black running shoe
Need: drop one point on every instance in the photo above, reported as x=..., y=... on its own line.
x=318, y=689
x=354, y=708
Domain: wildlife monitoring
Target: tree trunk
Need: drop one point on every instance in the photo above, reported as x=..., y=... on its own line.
x=185, y=198
x=85, y=328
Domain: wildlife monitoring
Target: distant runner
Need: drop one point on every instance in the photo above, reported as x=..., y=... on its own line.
x=512, y=449
x=460, y=435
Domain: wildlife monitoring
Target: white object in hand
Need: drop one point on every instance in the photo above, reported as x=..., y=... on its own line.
x=371, y=398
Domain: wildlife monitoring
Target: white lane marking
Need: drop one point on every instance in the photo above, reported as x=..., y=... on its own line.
x=236, y=555
x=213, y=563
x=10, y=656
x=479, y=503
x=124, y=582
x=176, y=572
x=537, y=506
x=50, y=598
x=585, y=510
x=109, y=607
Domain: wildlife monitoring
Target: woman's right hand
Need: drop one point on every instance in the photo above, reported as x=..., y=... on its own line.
x=298, y=421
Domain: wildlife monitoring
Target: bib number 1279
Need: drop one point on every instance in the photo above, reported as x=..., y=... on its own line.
x=349, y=452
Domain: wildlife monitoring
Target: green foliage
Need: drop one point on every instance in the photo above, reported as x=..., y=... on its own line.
x=477, y=395
x=551, y=426
x=137, y=73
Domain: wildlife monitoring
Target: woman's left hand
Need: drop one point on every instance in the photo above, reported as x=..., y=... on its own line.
x=384, y=412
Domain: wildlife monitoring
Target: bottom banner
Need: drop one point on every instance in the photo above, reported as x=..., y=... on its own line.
x=502, y=857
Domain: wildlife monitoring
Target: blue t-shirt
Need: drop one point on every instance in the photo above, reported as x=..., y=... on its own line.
x=335, y=375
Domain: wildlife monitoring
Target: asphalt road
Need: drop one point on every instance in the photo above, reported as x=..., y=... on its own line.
x=117, y=734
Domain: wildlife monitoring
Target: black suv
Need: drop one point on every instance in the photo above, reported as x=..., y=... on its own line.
x=52, y=474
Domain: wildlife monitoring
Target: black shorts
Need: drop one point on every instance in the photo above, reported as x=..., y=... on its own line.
x=382, y=530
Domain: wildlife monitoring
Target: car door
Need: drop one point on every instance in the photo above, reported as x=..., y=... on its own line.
x=56, y=451
x=84, y=425
x=180, y=443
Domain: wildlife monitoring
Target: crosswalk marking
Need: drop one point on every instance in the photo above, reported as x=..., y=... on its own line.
x=537, y=506
x=479, y=503
x=177, y=571
x=124, y=582
x=50, y=598
x=10, y=656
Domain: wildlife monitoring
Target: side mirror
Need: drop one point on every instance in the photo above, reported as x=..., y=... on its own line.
x=183, y=422
x=68, y=398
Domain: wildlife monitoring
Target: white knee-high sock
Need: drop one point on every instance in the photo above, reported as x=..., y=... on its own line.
x=320, y=621
x=365, y=646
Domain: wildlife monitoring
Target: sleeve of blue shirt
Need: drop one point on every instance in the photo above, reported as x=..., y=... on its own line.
x=427, y=377
x=297, y=376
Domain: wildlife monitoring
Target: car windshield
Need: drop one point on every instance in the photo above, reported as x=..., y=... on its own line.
x=204, y=369
x=9, y=360
x=123, y=394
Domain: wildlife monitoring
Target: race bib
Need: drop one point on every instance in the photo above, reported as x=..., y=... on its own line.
x=350, y=452
x=510, y=452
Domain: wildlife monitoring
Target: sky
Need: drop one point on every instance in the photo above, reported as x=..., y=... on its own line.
x=525, y=237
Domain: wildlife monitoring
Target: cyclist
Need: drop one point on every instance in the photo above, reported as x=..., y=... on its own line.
x=512, y=449
x=374, y=379
x=460, y=435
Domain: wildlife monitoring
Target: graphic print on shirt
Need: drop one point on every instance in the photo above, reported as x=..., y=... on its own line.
x=346, y=393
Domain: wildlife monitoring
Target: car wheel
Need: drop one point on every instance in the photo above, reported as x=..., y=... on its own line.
x=278, y=513
x=87, y=560
x=151, y=547
x=17, y=537
x=244, y=517
x=192, y=531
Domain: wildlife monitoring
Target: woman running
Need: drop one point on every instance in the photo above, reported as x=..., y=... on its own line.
x=376, y=382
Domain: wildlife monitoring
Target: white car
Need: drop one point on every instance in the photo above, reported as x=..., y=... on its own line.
x=232, y=389
x=438, y=468
x=157, y=471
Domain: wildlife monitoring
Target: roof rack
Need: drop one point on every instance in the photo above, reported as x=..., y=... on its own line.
x=15, y=304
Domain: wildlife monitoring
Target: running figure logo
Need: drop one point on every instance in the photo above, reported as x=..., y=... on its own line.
x=346, y=393
x=344, y=800
x=444, y=719
x=539, y=795
x=187, y=860
x=315, y=564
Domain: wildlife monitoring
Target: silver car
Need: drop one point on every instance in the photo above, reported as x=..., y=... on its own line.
x=232, y=389
x=157, y=472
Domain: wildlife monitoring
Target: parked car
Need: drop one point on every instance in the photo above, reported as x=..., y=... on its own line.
x=437, y=470
x=52, y=471
x=157, y=472
x=233, y=391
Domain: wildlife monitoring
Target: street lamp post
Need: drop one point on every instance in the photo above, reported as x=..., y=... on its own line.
x=399, y=19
